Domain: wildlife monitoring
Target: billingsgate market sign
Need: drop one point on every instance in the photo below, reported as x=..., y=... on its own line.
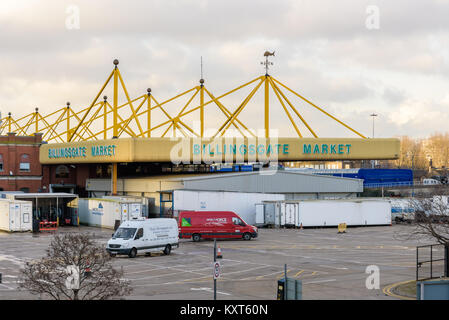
x=218, y=150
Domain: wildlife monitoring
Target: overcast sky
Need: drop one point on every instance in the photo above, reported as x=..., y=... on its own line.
x=331, y=52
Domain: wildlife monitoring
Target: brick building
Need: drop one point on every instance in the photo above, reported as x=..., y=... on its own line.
x=70, y=178
x=20, y=169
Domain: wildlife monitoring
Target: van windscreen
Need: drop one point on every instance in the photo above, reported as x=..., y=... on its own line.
x=125, y=233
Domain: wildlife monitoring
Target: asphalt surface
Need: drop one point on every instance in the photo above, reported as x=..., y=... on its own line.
x=330, y=265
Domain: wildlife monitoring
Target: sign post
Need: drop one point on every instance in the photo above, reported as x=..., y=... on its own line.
x=216, y=269
x=215, y=278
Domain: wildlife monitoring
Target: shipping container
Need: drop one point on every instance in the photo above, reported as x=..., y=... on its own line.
x=16, y=215
x=325, y=213
x=107, y=212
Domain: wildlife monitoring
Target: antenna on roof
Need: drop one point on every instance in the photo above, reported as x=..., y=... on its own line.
x=201, y=66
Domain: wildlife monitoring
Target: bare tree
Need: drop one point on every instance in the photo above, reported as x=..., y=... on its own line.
x=75, y=268
x=431, y=216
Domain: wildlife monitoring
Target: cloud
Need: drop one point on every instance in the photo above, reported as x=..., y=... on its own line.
x=323, y=51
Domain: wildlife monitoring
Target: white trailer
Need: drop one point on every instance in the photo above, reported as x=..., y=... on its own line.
x=16, y=215
x=108, y=213
x=242, y=203
x=403, y=209
x=323, y=213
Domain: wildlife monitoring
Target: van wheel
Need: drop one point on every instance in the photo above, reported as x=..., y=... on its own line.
x=167, y=249
x=196, y=237
x=246, y=236
x=132, y=253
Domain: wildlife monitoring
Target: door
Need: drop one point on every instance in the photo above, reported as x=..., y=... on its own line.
x=125, y=213
x=26, y=217
x=135, y=210
x=238, y=227
x=14, y=217
x=139, y=240
x=290, y=214
x=282, y=215
x=260, y=213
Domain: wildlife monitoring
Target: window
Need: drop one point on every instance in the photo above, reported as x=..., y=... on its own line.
x=124, y=233
x=139, y=234
x=24, y=162
x=25, y=190
x=237, y=221
x=62, y=171
x=1, y=162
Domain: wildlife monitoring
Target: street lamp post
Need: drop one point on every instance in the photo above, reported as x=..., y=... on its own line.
x=373, y=115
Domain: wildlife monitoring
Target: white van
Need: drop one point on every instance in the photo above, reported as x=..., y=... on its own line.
x=430, y=182
x=144, y=236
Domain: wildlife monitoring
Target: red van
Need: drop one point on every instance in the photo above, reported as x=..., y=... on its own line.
x=214, y=224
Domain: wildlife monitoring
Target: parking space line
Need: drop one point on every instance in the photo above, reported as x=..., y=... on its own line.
x=298, y=273
x=4, y=285
x=320, y=281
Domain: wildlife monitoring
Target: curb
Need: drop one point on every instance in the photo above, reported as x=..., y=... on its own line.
x=388, y=290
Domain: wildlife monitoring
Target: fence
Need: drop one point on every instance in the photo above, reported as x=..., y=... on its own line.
x=432, y=262
x=391, y=184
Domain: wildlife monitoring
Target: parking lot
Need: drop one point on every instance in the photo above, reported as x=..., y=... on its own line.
x=330, y=265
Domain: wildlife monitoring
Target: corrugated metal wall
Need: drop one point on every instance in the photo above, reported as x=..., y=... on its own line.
x=279, y=182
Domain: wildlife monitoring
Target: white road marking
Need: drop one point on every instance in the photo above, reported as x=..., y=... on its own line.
x=9, y=288
x=210, y=290
x=320, y=281
x=338, y=268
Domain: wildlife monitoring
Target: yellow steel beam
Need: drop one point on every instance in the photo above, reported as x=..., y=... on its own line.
x=227, y=113
x=115, y=103
x=294, y=109
x=286, y=110
x=267, y=107
x=105, y=120
x=24, y=129
x=68, y=121
x=229, y=121
x=202, y=110
x=53, y=124
x=149, y=113
x=79, y=120
x=165, y=132
x=52, y=128
x=130, y=102
x=86, y=126
x=320, y=109
x=168, y=116
x=133, y=116
x=92, y=104
x=110, y=110
x=206, y=103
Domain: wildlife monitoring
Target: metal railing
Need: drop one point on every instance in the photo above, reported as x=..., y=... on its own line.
x=390, y=184
x=432, y=261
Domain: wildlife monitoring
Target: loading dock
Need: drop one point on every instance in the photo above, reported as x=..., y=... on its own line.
x=61, y=208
